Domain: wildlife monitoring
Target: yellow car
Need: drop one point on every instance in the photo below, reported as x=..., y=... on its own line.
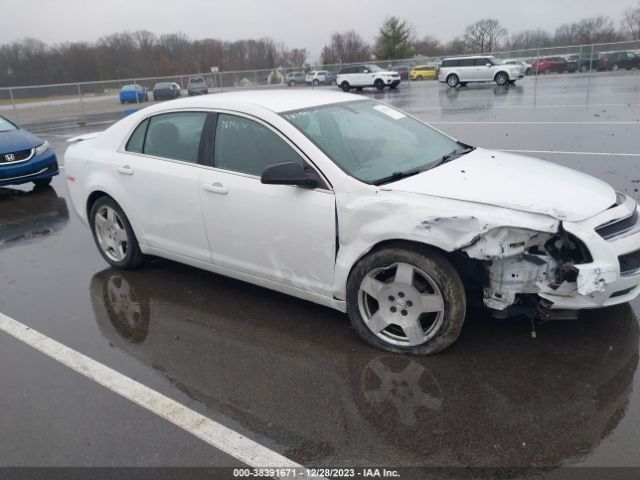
x=423, y=72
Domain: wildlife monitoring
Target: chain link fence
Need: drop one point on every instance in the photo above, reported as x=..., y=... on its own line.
x=79, y=102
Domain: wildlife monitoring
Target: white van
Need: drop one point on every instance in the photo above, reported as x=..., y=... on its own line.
x=481, y=68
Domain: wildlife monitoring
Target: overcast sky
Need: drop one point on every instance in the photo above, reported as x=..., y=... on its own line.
x=296, y=23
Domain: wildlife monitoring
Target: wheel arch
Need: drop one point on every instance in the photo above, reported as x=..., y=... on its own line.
x=506, y=72
x=93, y=197
x=471, y=271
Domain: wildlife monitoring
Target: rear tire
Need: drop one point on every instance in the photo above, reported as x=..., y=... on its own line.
x=453, y=80
x=316, y=82
x=406, y=300
x=114, y=235
x=345, y=86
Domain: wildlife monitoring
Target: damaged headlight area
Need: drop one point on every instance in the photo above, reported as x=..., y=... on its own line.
x=520, y=262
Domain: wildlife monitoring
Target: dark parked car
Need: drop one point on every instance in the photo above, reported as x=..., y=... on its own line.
x=617, y=60
x=197, y=86
x=133, y=93
x=166, y=91
x=330, y=77
x=584, y=63
x=24, y=157
x=403, y=70
x=549, y=64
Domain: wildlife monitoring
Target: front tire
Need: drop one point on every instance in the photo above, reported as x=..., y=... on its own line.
x=406, y=300
x=379, y=84
x=453, y=80
x=113, y=234
x=501, y=78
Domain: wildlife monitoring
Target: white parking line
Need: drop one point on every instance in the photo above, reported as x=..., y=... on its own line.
x=573, y=153
x=215, y=434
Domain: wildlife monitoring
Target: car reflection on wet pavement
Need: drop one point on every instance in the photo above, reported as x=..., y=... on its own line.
x=30, y=215
x=499, y=398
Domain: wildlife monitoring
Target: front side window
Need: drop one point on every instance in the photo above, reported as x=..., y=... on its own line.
x=371, y=141
x=245, y=146
x=172, y=135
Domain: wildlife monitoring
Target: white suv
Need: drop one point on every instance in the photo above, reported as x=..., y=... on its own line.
x=461, y=70
x=360, y=76
x=317, y=77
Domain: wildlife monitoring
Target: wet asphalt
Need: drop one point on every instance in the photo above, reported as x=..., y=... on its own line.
x=294, y=376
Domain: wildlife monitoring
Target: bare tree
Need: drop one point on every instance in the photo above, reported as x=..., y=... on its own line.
x=428, y=46
x=631, y=22
x=529, y=39
x=484, y=35
x=598, y=29
x=344, y=48
x=298, y=57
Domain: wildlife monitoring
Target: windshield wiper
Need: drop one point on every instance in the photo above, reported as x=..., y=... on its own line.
x=452, y=155
x=398, y=175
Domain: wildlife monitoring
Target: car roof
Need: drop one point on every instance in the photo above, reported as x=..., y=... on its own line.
x=470, y=56
x=277, y=101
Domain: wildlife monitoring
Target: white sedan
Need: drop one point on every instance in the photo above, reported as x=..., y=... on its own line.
x=352, y=204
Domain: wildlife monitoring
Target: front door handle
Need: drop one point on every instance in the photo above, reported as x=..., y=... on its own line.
x=216, y=188
x=125, y=170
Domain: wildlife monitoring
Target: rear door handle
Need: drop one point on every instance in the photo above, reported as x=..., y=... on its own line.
x=216, y=188
x=125, y=170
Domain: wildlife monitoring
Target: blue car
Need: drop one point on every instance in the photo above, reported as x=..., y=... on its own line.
x=24, y=157
x=133, y=94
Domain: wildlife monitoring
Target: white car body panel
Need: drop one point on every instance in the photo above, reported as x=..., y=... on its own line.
x=490, y=206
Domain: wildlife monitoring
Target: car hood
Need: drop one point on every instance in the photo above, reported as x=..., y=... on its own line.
x=515, y=182
x=17, y=140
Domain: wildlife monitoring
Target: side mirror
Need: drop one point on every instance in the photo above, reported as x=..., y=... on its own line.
x=365, y=71
x=287, y=173
x=488, y=65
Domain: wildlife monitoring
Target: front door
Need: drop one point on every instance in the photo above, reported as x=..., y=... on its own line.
x=277, y=232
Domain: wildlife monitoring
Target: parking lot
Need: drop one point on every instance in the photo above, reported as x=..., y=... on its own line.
x=292, y=376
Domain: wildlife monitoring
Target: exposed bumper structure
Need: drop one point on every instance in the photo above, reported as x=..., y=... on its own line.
x=589, y=264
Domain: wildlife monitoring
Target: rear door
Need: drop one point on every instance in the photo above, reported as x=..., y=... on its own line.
x=159, y=170
x=481, y=71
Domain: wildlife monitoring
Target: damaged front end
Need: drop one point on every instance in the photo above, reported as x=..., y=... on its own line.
x=521, y=263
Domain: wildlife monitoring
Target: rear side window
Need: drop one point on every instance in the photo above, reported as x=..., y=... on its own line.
x=172, y=135
x=136, y=141
x=467, y=62
x=454, y=62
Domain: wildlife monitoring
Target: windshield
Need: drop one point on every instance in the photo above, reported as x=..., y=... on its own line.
x=196, y=80
x=6, y=125
x=371, y=141
x=374, y=68
x=496, y=61
x=162, y=85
